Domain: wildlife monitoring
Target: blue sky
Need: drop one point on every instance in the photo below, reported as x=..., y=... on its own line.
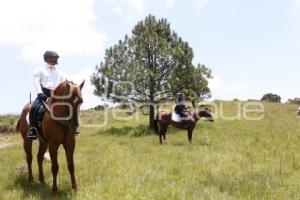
x=252, y=46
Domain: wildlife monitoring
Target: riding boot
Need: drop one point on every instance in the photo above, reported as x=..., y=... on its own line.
x=32, y=133
x=33, y=115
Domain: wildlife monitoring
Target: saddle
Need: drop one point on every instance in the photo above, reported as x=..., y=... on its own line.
x=177, y=118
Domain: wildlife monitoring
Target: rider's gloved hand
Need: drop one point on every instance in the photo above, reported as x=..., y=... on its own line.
x=42, y=97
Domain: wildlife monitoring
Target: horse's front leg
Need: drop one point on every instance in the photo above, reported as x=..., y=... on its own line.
x=27, y=144
x=164, y=132
x=69, y=147
x=40, y=157
x=160, y=136
x=53, y=154
x=190, y=135
x=164, y=135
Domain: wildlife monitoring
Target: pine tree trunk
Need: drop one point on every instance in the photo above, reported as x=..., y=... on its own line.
x=151, y=117
x=152, y=108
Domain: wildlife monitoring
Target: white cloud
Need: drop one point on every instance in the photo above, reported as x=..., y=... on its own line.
x=128, y=8
x=66, y=26
x=90, y=100
x=297, y=2
x=275, y=91
x=168, y=4
x=200, y=4
x=222, y=90
x=138, y=5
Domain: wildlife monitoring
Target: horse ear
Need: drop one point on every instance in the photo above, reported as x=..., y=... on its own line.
x=82, y=84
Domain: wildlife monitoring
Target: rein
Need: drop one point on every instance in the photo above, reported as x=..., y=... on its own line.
x=197, y=116
x=70, y=124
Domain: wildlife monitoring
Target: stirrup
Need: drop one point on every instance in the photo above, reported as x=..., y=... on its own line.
x=76, y=133
x=32, y=133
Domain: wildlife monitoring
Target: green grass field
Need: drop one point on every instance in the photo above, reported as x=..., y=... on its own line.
x=229, y=159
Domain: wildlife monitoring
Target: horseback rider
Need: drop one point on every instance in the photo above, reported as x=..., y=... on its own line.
x=46, y=79
x=180, y=109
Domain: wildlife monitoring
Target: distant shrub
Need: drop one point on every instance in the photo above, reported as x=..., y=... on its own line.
x=100, y=107
x=294, y=101
x=135, y=131
x=5, y=128
x=252, y=100
x=8, y=123
x=271, y=98
x=140, y=131
x=124, y=106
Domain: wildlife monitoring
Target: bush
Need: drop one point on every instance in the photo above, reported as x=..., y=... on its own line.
x=140, y=131
x=271, y=98
x=100, y=107
x=124, y=106
x=294, y=101
x=252, y=100
x=8, y=124
x=135, y=131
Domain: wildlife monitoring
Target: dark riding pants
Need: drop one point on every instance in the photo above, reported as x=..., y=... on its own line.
x=181, y=111
x=37, y=105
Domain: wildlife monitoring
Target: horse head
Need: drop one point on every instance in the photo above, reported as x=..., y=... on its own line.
x=206, y=113
x=68, y=98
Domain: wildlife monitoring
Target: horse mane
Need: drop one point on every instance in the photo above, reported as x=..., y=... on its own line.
x=62, y=84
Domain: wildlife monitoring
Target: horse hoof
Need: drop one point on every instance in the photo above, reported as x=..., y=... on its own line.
x=54, y=190
x=75, y=188
x=55, y=194
x=42, y=181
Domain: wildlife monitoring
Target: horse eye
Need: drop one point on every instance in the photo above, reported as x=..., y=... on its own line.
x=77, y=101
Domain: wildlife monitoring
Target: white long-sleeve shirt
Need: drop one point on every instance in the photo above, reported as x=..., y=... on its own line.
x=47, y=76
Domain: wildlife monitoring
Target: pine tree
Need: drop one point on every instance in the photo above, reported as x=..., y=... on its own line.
x=150, y=67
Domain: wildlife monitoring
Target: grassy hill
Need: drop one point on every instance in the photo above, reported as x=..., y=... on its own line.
x=229, y=159
x=8, y=124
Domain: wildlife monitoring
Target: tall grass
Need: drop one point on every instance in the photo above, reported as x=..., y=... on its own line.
x=229, y=159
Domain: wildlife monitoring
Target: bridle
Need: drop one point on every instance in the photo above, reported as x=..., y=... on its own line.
x=70, y=124
x=197, y=114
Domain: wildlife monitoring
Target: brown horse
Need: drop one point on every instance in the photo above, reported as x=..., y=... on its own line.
x=165, y=119
x=58, y=126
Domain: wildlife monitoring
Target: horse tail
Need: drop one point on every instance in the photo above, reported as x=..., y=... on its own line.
x=18, y=125
x=156, y=128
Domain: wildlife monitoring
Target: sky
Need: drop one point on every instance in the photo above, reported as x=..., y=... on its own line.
x=251, y=46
